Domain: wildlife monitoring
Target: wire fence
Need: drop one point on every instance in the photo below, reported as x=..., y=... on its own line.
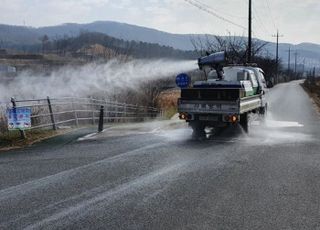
x=57, y=113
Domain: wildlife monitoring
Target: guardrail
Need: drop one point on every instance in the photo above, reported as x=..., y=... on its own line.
x=58, y=112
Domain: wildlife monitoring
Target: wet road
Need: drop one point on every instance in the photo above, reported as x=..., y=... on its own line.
x=154, y=176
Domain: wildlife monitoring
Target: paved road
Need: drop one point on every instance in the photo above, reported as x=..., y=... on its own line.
x=154, y=176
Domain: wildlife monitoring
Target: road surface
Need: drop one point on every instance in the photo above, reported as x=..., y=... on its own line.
x=154, y=176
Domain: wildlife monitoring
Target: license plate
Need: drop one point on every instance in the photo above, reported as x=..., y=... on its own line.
x=208, y=118
x=207, y=107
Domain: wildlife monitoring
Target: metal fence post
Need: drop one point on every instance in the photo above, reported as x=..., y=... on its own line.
x=75, y=114
x=101, y=117
x=116, y=109
x=125, y=113
x=54, y=127
x=93, y=110
x=14, y=105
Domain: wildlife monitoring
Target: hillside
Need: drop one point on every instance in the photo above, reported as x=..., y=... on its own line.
x=105, y=46
x=27, y=37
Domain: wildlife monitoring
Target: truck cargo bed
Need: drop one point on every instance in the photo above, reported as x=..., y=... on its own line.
x=217, y=101
x=223, y=94
x=237, y=106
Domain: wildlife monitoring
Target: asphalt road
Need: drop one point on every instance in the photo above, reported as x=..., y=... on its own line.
x=154, y=176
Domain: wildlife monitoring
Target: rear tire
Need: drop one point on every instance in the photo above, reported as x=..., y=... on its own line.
x=264, y=110
x=263, y=114
x=198, y=129
x=244, y=122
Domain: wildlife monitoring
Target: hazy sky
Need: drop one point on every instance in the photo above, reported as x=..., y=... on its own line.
x=297, y=20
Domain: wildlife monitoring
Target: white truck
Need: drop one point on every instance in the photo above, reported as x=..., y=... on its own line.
x=226, y=97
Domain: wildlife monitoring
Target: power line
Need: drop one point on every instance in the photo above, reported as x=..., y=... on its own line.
x=229, y=15
x=202, y=7
x=257, y=33
x=258, y=19
x=261, y=28
x=270, y=12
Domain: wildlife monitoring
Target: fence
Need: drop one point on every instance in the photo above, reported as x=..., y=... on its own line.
x=57, y=112
x=3, y=121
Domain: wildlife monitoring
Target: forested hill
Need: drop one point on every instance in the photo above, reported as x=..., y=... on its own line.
x=118, y=46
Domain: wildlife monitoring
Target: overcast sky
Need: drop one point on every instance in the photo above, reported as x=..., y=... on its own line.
x=297, y=20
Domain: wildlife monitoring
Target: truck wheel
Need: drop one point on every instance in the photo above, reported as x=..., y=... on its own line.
x=218, y=130
x=198, y=129
x=263, y=110
x=244, y=122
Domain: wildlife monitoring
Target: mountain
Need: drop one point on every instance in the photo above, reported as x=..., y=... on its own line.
x=96, y=44
x=16, y=34
x=19, y=36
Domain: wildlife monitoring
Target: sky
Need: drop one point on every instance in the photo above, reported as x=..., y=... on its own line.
x=298, y=21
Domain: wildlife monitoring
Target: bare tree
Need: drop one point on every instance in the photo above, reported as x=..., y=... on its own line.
x=235, y=46
x=44, y=41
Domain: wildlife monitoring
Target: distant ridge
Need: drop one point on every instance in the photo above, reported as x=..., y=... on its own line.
x=19, y=36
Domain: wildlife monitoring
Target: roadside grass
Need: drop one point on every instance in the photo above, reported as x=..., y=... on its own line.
x=12, y=139
x=313, y=90
x=167, y=101
x=170, y=112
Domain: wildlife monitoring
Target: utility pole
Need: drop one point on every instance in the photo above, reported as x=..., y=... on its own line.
x=314, y=73
x=249, y=57
x=289, y=64
x=277, y=55
x=304, y=62
x=295, y=61
x=289, y=60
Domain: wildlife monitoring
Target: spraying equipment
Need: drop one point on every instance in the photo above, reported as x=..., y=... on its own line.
x=226, y=97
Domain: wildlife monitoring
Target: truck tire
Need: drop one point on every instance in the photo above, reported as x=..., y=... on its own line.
x=198, y=129
x=264, y=110
x=244, y=122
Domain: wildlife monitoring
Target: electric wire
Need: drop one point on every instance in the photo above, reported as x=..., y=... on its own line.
x=270, y=12
x=224, y=13
x=259, y=20
x=204, y=8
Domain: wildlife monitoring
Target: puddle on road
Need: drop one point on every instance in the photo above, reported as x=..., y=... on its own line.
x=282, y=124
x=278, y=124
x=178, y=134
x=276, y=136
x=277, y=132
x=169, y=129
x=269, y=132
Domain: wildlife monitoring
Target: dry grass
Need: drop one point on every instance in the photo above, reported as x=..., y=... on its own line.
x=313, y=89
x=167, y=102
x=12, y=139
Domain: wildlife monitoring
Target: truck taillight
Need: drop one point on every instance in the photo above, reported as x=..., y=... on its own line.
x=231, y=118
x=234, y=118
x=185, y=116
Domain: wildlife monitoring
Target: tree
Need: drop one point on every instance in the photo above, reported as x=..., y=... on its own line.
x=44, y=41
x=237, y=49
x=235, y=46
